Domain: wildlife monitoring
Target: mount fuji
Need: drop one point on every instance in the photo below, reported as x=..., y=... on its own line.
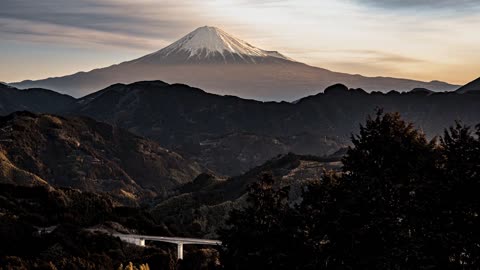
x=212, y=45
x=211, y=59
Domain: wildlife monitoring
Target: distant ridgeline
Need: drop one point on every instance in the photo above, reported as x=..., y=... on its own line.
x=231, y=135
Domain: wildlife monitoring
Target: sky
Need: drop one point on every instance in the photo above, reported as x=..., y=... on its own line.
x=417, y=39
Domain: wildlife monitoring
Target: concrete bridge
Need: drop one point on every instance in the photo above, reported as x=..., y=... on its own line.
x=140, y=239
x=179, y=241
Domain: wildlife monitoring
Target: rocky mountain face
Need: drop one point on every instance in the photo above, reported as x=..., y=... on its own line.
x=34, y=100
x=214, y=60
x=42, y=149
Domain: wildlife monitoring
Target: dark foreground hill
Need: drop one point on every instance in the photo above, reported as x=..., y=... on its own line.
x=196, y=209
x=471, y=87
x=41, y=149
x=408, y=202
x=34, y=100
x=69, y=214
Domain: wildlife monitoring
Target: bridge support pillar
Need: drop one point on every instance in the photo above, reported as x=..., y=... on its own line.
x=180, y=251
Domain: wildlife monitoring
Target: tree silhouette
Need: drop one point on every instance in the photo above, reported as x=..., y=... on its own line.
x=257, y=235
x=400, y=202
x=460, y=229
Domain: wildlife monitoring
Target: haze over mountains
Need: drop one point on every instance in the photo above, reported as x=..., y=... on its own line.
x=214, y=60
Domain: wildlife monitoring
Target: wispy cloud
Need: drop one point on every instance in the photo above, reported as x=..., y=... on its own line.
x=425, y=6
x=384, y=57
x=108, y=22
x=21, y=30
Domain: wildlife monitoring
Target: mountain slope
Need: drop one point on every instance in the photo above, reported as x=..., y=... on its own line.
x=35, y=100
x=472, y=86
x=202, y=206
x=212, y=59
x=11, y=174
x=88, y=155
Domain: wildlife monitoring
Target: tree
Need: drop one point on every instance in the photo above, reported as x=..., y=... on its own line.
x=377, y=214
x=460, y=231
x=257, y=236
x=400, y=202
x=131, y=266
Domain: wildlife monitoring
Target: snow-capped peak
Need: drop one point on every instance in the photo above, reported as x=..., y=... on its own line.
x=209, y=43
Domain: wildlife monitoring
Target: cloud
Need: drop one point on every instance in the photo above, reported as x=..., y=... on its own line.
x=117, y=23
x=425, y=5
x=20, y=30
x=373, y=57
x=384, y=57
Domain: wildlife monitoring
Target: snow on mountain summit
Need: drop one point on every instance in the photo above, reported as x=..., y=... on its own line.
x=213, y=40
x=211, y=44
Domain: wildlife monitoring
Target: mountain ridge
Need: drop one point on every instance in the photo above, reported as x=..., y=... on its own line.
x=32, y=99
x=473, y=86
x=230, y=135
